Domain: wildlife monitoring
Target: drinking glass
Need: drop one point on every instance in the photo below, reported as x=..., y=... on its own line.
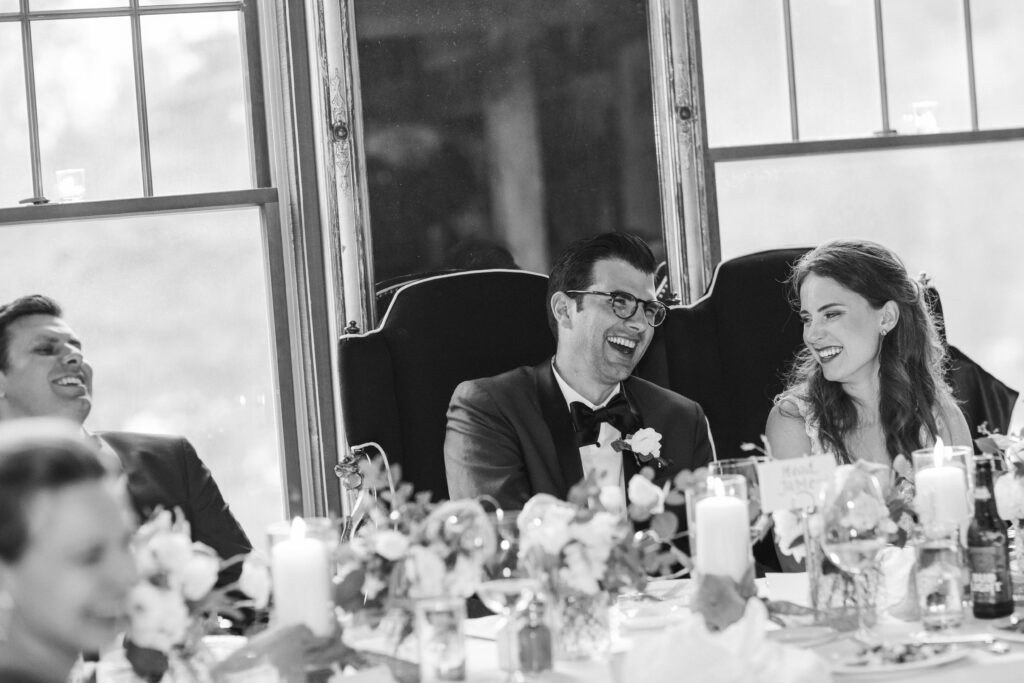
x=508, y=589
x=854, y=530
x=747, y=468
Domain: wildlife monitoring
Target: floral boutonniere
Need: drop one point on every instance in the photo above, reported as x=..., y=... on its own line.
x=645, y=445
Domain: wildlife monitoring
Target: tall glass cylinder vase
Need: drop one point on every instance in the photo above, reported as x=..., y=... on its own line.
x=440, y=632
x=837, y=596
x=582, y=627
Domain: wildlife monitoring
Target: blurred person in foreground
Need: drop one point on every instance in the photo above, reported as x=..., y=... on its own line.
x=65, y=564
x=44, y=373
x=542, y=429
x=869, y=384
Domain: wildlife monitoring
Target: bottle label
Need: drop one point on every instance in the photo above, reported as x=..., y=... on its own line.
x=988, y=574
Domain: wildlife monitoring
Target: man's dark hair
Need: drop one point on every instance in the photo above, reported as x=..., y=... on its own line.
x=574, y=268
x=37, y=455
x=33, y=304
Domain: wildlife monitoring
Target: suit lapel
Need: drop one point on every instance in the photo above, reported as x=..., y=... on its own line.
x=556, y=415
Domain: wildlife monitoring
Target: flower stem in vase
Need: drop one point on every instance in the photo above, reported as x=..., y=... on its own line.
x=1017, y=559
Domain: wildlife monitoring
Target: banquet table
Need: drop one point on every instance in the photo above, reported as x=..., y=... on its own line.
x=978, y=663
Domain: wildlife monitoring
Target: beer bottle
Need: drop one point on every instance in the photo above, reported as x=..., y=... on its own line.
x=988, y=551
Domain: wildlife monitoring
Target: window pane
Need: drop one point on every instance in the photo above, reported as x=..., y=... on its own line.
x=15, y=162
x=836, y=70
x=953, y=212
x=8, y=6
x=492, y=124
x=85, y=88
x=43, y=5
x=197, y=112
x=743, y=48
x=998, y=51
x=926, y=66
x=180, y=344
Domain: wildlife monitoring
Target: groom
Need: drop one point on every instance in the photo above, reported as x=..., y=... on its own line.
x=542, y=429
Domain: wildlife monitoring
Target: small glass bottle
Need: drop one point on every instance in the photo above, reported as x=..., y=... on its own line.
x=988, y=550
x=535, y=640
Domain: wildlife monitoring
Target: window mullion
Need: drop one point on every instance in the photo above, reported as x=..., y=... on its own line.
x=883, y=87
x=972, y=92
x=38, y=193
x=140, y=102
x=794, y=116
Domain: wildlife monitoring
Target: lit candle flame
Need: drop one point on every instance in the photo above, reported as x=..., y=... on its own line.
x=717, y=485
x=298, y=528
x=939, y=452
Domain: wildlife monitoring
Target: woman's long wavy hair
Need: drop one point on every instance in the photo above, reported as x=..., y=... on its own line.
x=912, y=357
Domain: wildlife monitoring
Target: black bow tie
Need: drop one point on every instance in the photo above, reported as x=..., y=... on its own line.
x=587, y=422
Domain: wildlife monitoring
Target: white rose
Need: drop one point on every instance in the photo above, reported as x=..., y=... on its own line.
x=390, y=544
x=551, y=532
x=464, y=578
x=645, y=441
x=159, y=618
x=788, y=527
x=254, y=580
x=1009, y=497
x=200, y=572
x=645, y=494
x=597, y=535
x=171, y=551
x=612, y=499
x=425, y=571
x=580, y=573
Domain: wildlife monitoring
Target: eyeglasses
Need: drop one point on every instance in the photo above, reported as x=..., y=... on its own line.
x=624, y=305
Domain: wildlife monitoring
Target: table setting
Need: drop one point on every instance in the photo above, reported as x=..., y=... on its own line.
x=394, y=592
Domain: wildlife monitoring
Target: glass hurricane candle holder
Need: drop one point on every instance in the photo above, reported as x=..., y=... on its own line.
x=943, y=481
x=719, y=526
x=302, y=568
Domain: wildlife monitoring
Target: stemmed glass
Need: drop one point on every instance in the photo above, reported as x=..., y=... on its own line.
x=510, y=589
x=855, y=530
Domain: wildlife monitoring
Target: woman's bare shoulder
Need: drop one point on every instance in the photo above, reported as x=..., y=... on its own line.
x=786, y=431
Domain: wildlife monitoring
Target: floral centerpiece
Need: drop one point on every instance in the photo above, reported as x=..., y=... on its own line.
x=407, y=549
x=175, y=602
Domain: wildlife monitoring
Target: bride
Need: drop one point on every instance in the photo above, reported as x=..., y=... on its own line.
x=868, y=385
x=65, y=565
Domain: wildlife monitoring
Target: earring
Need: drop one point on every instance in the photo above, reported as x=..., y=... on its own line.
x=884, y=331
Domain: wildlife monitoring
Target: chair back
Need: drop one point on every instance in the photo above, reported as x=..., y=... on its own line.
x=730, y=349
x=397, y=380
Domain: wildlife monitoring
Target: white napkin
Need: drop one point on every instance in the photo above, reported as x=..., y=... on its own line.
x=740, y=653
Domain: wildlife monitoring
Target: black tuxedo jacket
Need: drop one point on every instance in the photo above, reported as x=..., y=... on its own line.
x=165, y=471
x=511, y=436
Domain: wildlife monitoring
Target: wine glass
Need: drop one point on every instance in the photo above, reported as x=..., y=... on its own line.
x=855, y=529
x=760, y=522
x=510, y=589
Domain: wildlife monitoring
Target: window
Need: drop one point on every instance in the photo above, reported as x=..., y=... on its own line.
x=942, y=77
x=495, y=134
x=143, y=125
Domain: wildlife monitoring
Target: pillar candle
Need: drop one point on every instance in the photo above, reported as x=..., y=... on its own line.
x=302, y=584
x=723, y=536
x=942, y=495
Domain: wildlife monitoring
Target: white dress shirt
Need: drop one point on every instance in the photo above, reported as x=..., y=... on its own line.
x=599, y=458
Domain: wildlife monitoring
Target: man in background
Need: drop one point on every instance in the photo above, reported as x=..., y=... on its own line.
x=44, y=372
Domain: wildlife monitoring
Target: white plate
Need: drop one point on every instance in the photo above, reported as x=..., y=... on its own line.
x=1013, y=636
x=846, y=666
x=803, y=636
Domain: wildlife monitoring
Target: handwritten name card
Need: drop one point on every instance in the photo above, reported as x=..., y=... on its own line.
x=793, y=483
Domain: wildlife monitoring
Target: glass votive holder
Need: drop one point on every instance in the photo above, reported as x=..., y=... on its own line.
x=302, y=567
x=71, y=185
x=718, y=521
x=940, y=576
x=944, y=482
x=440, y=631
